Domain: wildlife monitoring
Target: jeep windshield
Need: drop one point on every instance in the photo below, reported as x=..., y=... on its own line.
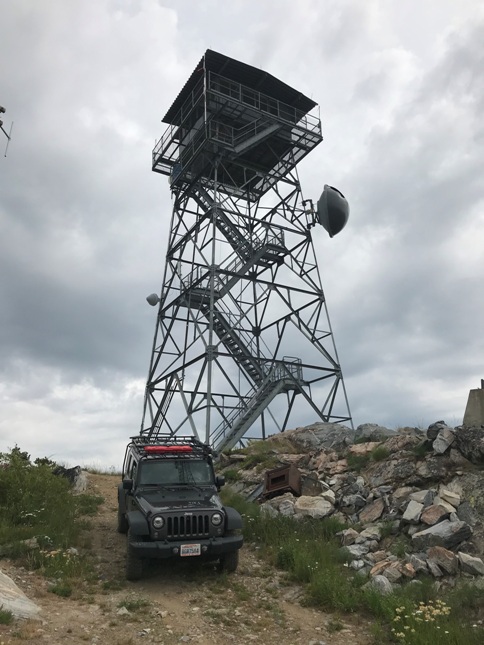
x=175, y=472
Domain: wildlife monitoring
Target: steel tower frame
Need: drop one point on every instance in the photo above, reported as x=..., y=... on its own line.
x=242, y=316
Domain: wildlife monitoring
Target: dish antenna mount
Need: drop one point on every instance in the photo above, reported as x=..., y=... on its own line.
x=332, y=210
x=9, y=134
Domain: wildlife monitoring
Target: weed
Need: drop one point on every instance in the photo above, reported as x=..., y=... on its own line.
x=264, y=455
x=112, y=585
x=241, y=592
x=87, y=504
x=62, y=589
x=421, y=449
x=232, y=475
x=357, y=462
x=6, y=616
x=334, y=625
x=380, y=453
x=400, y=547
x=386, y=529
x=134, y=604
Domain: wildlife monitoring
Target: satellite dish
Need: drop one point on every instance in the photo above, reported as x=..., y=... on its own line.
x=332, y=210
x=153, y=299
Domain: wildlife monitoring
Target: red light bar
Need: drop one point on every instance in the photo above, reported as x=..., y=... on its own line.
x=161, y=449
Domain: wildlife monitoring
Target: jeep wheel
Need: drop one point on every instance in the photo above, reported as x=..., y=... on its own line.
x=122, y=522
x=229, y=562
x=134, y=564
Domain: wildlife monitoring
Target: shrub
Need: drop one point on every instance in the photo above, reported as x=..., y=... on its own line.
x=380, y=453
x=357, y=462
x=6, y=616
x=232, y=475
x=41, y=521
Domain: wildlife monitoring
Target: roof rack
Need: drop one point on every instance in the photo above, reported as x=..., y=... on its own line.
x=198, y=447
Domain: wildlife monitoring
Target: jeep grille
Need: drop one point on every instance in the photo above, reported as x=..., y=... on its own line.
x=188, y=526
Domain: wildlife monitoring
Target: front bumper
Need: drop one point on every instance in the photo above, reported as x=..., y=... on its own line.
x=210, y=548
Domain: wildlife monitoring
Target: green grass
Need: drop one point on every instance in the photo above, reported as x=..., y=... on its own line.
x=41, y=521
x=310, y=553
x=357, y=463
x=380, y=453
x=422, y=449
x=232, y=475
x=133, y=604
x=264, y=455
x=6, y=616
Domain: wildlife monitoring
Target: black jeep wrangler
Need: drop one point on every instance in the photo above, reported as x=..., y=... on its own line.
x=169, y=506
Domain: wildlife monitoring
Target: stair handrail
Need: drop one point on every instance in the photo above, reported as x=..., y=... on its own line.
x=291, y=367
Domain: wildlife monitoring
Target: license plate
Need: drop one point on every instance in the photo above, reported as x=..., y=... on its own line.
x=189, y=549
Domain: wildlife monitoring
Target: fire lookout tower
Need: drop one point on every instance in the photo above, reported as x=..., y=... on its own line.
x=243, y=346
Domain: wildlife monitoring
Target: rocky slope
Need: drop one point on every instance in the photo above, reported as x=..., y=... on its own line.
x=416, y=496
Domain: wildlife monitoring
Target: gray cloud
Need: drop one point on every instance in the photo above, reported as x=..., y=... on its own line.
x=83, y=221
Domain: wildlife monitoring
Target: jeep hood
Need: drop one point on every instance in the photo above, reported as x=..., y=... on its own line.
x=175, y=499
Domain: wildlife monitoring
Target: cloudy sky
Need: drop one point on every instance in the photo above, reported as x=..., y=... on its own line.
x=83, y=220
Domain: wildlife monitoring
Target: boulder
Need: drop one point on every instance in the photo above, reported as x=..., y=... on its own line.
x=393, y=471
x=447, y=534
x=329, y=496
x=418, y=562
x=443, y=441
x=75, y=476
x=393, y=572
x=355, y=550
x=424, y=497
x=434, y=429
x=470, y=443
x=438, y=501
x=363, y=448
x=313, y=506
x=348, y=536
x=14, y=600
x=435, y=467
x=434, y=514
x=445, y=559
x=470, y=564
x=371, y=533
x=380, y=584
x=412, y=512
x=450, y=497
x=333, y=436
x=372, y=512
x=372, y=432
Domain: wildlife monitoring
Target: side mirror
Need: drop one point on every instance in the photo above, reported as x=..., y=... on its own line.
x=127, y=484
x=219, y=481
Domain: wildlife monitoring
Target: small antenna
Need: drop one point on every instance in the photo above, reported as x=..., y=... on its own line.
x=9, y=135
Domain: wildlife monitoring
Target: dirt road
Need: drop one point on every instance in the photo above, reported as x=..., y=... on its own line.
x=174, y=603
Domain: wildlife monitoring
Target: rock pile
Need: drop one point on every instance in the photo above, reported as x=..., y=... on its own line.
x=415, y=496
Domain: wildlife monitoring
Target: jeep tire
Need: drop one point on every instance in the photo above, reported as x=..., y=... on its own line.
x=229, y=562
x=134, y=564
x=122, y=522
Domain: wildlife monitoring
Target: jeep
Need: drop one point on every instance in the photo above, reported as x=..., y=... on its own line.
x=168, y=504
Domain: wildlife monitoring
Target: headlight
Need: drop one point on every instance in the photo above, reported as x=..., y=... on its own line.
x=217, y=519
x=158, y=522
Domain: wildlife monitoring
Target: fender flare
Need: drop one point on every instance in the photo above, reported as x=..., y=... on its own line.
x=121, y=498
x=138, y=523
x=234, y=519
